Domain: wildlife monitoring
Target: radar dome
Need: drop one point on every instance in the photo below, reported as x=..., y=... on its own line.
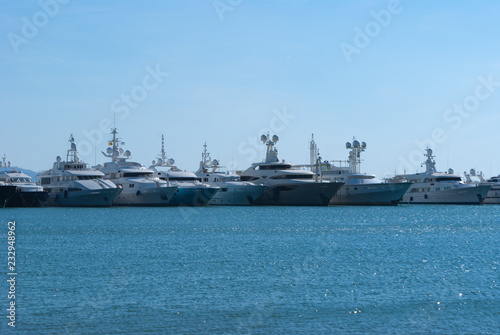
x=450, y=170
x=160, y=161
x=348, y=145
x=153, y=162
x=58, y=159
x=429, y=151
x=472, y=172
x=275, y=138
x=120, y=151
x=355, y=144
x=215, y=162
x=171, y=161
x=109, y=150
x=363, y=145
x=127, y=153
x=263, y=138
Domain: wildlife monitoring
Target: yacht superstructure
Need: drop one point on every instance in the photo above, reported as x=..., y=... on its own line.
x=26, y=192
x=74, y=183
x=493, y=195
x=233, y=191
x=286, y=185
x=190, y=191
x=359, y=188
x=432, y=187
x=140, y=187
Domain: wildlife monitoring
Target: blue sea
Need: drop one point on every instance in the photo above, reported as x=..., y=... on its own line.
x=254, y=270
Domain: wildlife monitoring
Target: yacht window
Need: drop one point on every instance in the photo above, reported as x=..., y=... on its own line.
x=449, y=179
x=248, y=178
x=131, y=185
x=293, y=176
x=275, y=167
x=137, y=174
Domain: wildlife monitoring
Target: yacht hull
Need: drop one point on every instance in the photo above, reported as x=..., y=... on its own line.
x=193, y=196
x=27, y=199
x=299, y=194
x=243, y=195
x=379, y=194
x=493, y=196
x=84, y=198
x=474, y=195
x=155, y=196
x=6, y=193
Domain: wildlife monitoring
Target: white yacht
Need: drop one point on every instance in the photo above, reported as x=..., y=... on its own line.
x=493, y=196
x=27, y=192
x=74, y=183
x=233, y=191
x=359, y=188
x=190, y=191
x=140, y=187
x=431, y=187
x=286, y=185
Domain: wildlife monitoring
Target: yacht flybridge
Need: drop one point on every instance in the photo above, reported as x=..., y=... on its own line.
x=359, y=188
x=432, y=187
x=233, y=191
x=25, y=192
x=74, y=183
x=286, y=185
x=190, y=191
x=139, y=185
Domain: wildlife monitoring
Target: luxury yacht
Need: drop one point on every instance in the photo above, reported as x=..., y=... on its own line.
x=493, y=196
x=233, y=191
x=139, y=185
x=359, y=188
x=431, y=187
x=27, y=192
x=190, y=191
x=74, y=183
x=285, y=185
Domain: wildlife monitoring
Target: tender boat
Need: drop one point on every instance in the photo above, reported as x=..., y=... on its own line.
x=287, y=186
x=233, y=191
x=190, y=191
x=26, y=192
x=432, y=187
x=140, y=187
x=359, y=188
x=74, y=183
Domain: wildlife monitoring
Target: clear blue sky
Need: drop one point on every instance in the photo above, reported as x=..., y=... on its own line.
x=236, y=68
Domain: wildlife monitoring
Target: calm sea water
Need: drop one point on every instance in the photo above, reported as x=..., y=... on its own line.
x=261, y=270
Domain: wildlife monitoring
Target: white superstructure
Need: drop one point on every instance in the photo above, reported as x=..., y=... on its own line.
x=432, y=187
x=140, y=187
x=359, y=188
x=190, y=191
x=286, y=185
x=233, y=191
x=493, y=195
x=74, y=183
